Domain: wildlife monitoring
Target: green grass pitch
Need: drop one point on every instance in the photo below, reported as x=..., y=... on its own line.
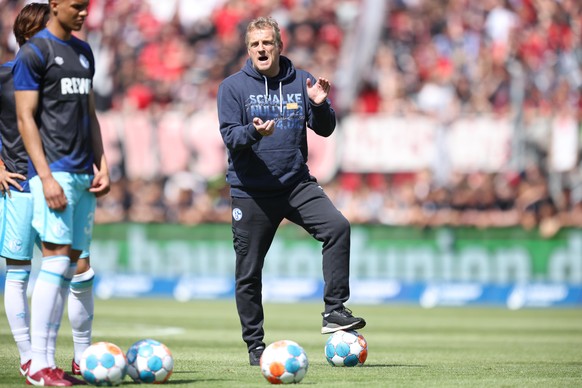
x=408, y=346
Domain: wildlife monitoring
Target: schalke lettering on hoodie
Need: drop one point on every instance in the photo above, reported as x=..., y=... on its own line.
x=284, y=111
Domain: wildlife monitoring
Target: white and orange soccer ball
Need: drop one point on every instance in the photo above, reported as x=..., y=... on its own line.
x=284, y=362
x=346, y=348
x=149, y=361
x=103, y=364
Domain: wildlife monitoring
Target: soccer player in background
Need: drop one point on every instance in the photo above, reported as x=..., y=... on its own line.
x=264, y=111
x=67, y=167
x=16, y=222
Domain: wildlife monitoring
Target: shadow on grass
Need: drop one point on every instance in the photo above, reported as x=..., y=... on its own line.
x=391, y=366
x=184, y=381
x=193, y=381
x=177, y=381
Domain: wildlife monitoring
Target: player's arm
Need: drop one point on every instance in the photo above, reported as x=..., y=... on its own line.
x=101, y=182
x=26, y=106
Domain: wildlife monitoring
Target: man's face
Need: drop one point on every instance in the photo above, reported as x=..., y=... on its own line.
x=71, y=14
x=264, y=52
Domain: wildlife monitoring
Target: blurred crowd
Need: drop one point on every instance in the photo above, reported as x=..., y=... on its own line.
x=515, y=58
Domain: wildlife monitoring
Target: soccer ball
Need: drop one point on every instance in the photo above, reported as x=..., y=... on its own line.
x=149, y=361
x=284, y=362
x=103, y=363
x=346, y=348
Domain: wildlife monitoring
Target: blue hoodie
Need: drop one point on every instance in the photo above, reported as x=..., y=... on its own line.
x=268, y=166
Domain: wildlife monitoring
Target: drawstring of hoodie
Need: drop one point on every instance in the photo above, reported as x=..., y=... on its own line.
x=280, y=94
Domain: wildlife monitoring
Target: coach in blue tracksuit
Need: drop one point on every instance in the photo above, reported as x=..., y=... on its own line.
x=264, y=111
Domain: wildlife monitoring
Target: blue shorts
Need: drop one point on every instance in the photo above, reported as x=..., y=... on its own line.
x=72, y=226
x=16, y=232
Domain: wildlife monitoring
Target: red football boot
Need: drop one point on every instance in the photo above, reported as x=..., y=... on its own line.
x=47, y=377
x=25, y=367
x=75, y=368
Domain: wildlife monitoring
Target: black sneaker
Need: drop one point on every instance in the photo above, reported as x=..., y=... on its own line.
x=255, y=355
x=341, y=319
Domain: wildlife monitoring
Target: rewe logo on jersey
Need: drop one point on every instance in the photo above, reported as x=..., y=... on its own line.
x=75, y=85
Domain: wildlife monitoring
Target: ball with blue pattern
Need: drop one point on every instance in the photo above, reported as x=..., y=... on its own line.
x=346, y=348
x=284, y=362
x=103, y=364
x=149, y=361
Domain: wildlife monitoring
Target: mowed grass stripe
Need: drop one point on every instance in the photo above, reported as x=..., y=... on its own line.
x=408, y=346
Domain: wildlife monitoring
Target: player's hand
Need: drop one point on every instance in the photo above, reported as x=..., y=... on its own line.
x=318, y=93
x=101, y=184
x=54, y=194
x=264, y=128
x=8, y=178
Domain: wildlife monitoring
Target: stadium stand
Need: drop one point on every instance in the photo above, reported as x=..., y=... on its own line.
x=490, y=88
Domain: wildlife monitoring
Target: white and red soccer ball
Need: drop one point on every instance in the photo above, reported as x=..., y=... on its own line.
x=284, y=362
x=346, y=348
x=149, y=361
x=103, y=364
